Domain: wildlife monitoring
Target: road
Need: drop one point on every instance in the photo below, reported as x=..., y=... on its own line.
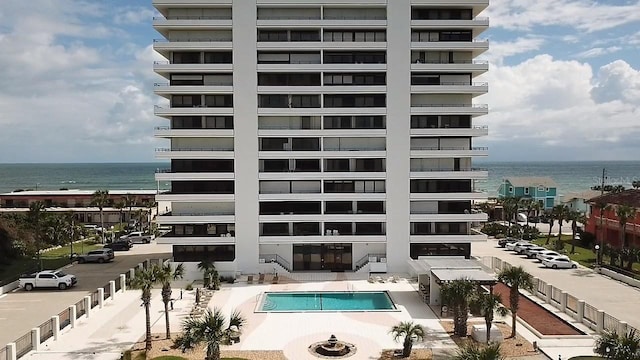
x=615, y=298
x=20, y=311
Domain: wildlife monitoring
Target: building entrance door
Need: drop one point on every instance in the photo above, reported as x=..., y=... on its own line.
x=322, y=257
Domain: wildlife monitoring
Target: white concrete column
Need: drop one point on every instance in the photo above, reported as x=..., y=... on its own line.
x=580, y=311
x=563, y=301
x=245, y=112
x=132, y=273
x=112, y=289
x=72, y=316
x=398, y=133
x=87, y=305
x=548, y=293
x=11, y=351
x=140, y=267
x=600, y=322
x=35, y=338
x=100, y=297
x=622, y=327
x=56, y=326
x=123, y=282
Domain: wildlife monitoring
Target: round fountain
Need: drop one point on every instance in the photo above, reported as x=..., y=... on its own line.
x=332, y=349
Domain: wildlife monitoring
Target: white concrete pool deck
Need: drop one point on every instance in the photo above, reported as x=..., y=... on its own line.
x=294, y=332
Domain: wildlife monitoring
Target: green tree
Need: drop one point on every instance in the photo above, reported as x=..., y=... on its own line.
x=165, y=275
x=209, y=274
x=635, y=184
x=488, y=303
x=100, y=199
x=144, y=280
x=130, y=201
x=624, y=214
x=472, y=351
x=510, y=207
x=528, y=204
x=457, y=295
x=602, y=208
x=209, y=329
x=562, y=214
x=551, y=215
x=407, y=330
x=575, y=217
x=516, y=278
x=120, y=206
x=36, y=216
x=614, y=346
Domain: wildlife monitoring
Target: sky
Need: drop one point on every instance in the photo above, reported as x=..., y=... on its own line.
x=76, y=81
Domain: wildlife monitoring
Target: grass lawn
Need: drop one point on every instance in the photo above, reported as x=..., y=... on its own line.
x=582, y=255
x=52, y=259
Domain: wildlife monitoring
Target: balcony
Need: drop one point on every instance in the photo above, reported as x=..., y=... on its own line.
x=450, y=109
x=478, y=24
x=171, y=238
x=168, y=175
x=196, y=218
x=190, y=111
x=165, y=47
x=476, y=46
x=448, y=151
x=478, y=130
x=164, y=68
x=166, y=90
x=475, y=67
x=168, y=196
x=168, y=132
x=194, y=153
x=471, y=195
x=464, y=173
x=165, y=24
x=475, y=89
x=435, y=217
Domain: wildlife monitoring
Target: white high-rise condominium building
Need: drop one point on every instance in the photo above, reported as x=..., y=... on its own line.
x=320, y=134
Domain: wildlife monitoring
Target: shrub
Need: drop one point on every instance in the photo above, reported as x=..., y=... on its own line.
x=587, y=239
x=189, y=286
x=530, y=233
x=493, y=229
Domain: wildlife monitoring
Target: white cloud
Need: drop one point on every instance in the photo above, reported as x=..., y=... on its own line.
x=584, y=15
x=499, y=50
x=598, y=51
x=548, y=106
x=133, y=15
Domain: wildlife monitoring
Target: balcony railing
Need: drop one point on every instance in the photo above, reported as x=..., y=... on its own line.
x=353, y=17
x=475, y=106
x=443, y=62
x=219, y=213
x=458, y=83
x=208, y=17
x=162, y=128
x=289, y=17
x=365, y=260
x=456, y=170
x=165, y=62
x=191, y=40
x=275, y=258
x=194, y=149
x=482, y=148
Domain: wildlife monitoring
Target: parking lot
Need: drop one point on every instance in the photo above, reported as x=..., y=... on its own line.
x=20, y=311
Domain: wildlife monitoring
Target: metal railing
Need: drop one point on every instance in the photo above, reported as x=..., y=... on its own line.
x=118, y=284
x=194, y=149
x=288, y=17
x=556, y=295
x=187, y=17
x=445, y=62
x=65, y=318
x=80, y=309
x=446, y=148
x=162, y=128
x=363, y=261
x=24, y=344
x=381, y=17
x=455, y=83
x=590, y=313
x=107, y=291
x=572, y=303
x=191, y=40
x=454, y=170
x=46, y=330
x=94, y=299
x=269, y=258
x=474, y=106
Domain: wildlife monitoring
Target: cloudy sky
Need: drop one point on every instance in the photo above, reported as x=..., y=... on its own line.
x=76, y=80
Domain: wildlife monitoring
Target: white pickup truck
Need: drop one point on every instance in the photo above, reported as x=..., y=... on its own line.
x=47, y=279
x=137, y=237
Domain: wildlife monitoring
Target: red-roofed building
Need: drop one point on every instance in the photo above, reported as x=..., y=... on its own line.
x=610, y=221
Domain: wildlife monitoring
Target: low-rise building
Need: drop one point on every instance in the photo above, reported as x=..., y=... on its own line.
x=542, y=189
x=605, y=224
x=579, y=201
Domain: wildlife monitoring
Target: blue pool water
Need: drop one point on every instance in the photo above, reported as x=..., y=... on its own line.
x=327, y=301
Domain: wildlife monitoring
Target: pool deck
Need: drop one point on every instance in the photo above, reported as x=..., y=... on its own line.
x=294, y=332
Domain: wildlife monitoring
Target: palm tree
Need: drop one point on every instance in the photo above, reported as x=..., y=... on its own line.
x=100, y=199
x=613, y=254
x=472, y=351
x=209, y=274
x=144, y=280
x=510, y=207
x=140, y=214
x=35, y=217
x=165, y=275
x=209, y=329
x=602, y=207
x=575, y=217
x=614, y=346
x=407, y=330
x=527, y=203
x=624, y=213
x=516, y=278
x=635, y=184
x=562, y=214
x=457, y=295
x=536, y=207
x=129, y=201
x=552, y=218
x=120, y=206
x=488, y=303
x=150, y=205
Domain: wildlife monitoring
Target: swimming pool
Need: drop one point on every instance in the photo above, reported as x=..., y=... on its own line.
x=326, y=301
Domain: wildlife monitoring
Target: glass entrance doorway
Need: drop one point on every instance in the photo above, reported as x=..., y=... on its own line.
x=319, y=257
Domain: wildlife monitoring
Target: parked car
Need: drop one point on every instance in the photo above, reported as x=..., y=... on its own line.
x=545, y=254
x=125, y=245
x=99, y=256
x=512, y=245
x=47, y=279
x=520, y=248
x=503, y=242
x=559, y=262
x=137, y=236
x=532, y=251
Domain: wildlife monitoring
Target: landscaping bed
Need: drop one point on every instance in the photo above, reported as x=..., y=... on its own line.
x=510, y=347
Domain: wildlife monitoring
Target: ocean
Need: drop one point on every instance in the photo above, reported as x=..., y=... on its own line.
x=570, y=176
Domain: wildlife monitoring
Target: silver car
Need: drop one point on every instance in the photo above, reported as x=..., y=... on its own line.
x=99, y=256
x=533, y=251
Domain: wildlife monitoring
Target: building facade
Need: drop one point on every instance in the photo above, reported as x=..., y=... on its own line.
x=320, y=134
x=604, y=222
x=541, y=189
